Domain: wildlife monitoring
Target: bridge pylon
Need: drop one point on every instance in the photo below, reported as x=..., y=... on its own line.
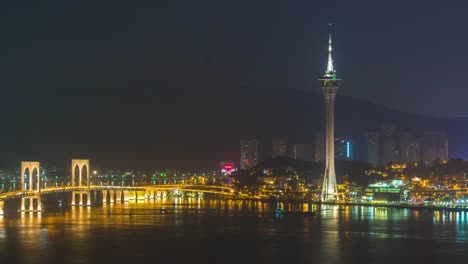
x=104, y=196
x=118, y=196
x=81, y=181
x=31, y=186
x=126, y=195
x=111, y=197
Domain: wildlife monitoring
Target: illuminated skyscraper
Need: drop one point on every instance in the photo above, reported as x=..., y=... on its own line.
x=329, y=84
x=343, y=149
x=249, y=153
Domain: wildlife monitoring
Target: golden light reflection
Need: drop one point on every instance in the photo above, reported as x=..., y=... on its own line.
x=380, y=213
x=337, y=224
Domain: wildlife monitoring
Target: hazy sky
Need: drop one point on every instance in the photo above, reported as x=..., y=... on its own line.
x=408, y=55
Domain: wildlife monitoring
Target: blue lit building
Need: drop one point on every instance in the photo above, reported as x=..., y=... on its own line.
x=343, y=149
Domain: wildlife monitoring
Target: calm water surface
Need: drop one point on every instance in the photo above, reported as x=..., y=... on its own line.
x=227, y=231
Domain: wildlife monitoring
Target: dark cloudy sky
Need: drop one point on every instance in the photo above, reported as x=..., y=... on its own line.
x=409, y=55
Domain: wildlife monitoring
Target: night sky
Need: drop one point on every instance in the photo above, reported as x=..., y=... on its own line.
x=408, y=55
x=84, y=61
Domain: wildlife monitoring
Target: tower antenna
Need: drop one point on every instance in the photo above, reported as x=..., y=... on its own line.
x=330, y=72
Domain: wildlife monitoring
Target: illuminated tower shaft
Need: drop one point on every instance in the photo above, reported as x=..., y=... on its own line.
x=329, y=84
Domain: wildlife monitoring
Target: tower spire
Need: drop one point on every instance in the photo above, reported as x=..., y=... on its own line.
x=330, y=58
x=330, y=72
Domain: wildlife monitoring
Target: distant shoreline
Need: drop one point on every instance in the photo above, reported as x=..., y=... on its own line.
x=399, y=206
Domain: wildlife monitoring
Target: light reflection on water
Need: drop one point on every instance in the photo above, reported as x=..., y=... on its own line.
x=235, y=231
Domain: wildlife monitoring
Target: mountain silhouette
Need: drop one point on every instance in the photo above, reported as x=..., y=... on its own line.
x=165, y=125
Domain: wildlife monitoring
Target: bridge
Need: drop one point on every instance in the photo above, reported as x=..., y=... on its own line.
x=116, y=194
x=83, y=192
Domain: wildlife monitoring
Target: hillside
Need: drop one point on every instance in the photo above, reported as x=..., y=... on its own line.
x=163, y=125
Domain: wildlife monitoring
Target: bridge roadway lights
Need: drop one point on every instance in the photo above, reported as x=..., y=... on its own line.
x=2, y=203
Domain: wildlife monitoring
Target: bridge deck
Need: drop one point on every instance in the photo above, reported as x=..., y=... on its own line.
x=223, y=190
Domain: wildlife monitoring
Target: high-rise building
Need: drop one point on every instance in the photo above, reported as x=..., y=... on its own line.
x=320, y=146
x=434, y=146
x=414, y=151
x=330, y=84
x=302, y=151
x=248, y=153
x=280, y=148
x=373, y=148
x=403, y=147
x=299, y=151
x=389, y=152
x=343, y=149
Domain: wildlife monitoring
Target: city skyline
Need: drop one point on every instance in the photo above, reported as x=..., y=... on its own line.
x=177, y=131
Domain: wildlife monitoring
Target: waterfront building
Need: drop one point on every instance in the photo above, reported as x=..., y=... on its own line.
x=394, y=191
